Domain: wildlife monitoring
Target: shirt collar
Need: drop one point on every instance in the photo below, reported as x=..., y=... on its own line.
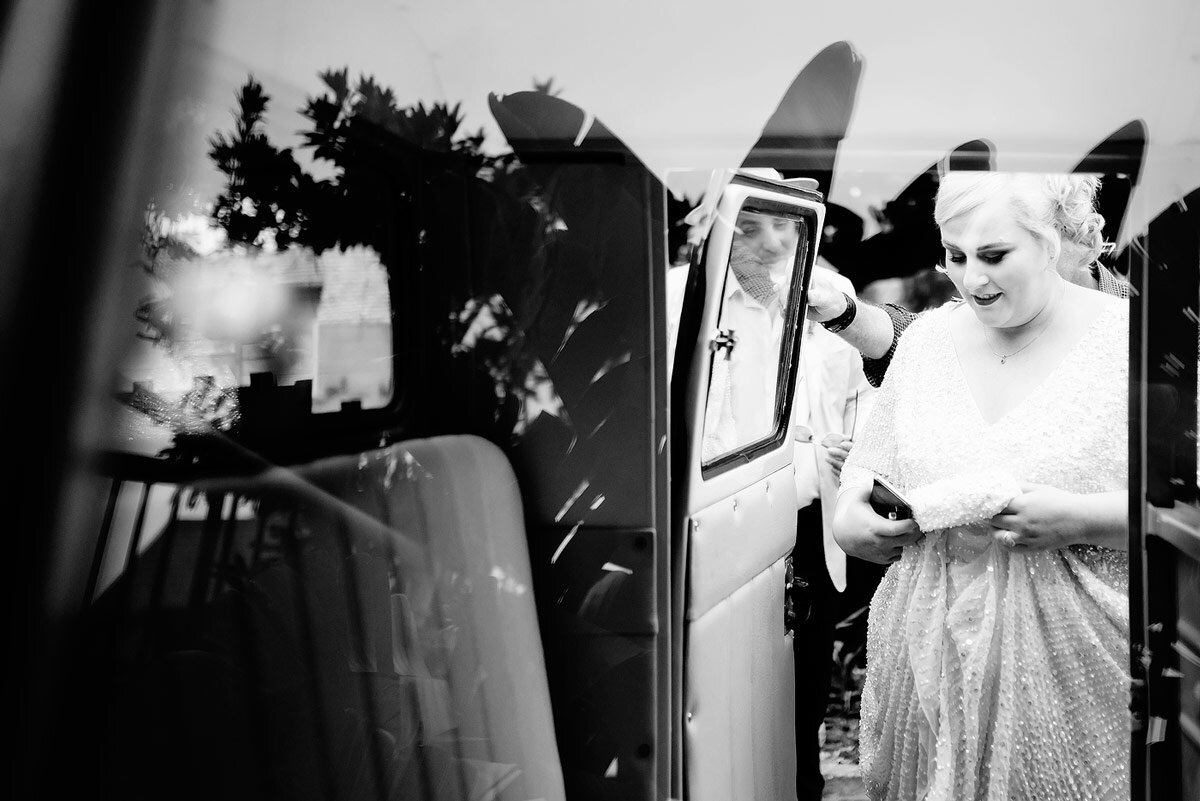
x=733, y=287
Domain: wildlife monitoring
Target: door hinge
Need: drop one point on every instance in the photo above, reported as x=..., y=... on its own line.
x=725, y=340
x=789, y=596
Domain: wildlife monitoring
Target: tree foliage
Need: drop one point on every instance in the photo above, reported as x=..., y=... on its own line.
x=270, y=197
x=502, y=271
x=265, y=189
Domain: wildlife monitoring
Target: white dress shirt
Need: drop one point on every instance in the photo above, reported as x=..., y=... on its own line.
x=832, y=395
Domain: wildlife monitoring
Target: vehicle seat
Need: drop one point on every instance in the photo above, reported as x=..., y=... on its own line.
x=464, y=560
x=360, y=626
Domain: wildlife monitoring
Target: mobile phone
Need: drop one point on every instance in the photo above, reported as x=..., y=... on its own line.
x=887, y=501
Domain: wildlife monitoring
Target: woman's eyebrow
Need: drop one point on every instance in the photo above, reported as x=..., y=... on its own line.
x=1000, y=245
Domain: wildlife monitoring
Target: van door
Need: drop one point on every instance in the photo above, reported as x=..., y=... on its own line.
x=736, y=500
x=1164, y=564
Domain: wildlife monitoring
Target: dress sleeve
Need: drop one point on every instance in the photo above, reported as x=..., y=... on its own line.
x=901, y=318
x=874, y=450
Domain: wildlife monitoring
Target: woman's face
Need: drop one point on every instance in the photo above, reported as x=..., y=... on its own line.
x=1001, y=270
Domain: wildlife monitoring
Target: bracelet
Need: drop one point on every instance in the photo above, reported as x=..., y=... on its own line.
x=843, y=320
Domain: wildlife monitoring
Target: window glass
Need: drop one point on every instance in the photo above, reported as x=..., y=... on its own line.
x=268, y=585
x=217, y=315
x=248, y=276
x=744, y=393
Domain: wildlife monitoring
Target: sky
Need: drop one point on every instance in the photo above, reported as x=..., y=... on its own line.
x=689, y=85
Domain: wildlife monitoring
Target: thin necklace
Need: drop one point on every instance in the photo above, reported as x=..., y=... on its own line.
x=1004, y=357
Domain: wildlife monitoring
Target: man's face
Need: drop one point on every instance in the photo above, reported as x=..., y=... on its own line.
x=769, y=238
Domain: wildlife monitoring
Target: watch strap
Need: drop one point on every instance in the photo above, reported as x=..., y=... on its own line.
x=843, y=320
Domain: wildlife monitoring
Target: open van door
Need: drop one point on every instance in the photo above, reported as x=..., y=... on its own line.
x=1164, y=565
x=735, y=497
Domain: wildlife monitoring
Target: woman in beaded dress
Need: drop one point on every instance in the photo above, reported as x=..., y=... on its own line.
x=998, y=643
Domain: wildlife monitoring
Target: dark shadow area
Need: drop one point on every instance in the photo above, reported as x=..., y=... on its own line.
x=1118, y=162
x=908, y=242
x=1170, y=250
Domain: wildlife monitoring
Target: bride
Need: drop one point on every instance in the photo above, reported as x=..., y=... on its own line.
x=998, y=643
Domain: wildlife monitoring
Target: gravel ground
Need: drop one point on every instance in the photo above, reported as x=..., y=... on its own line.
x=839, y=760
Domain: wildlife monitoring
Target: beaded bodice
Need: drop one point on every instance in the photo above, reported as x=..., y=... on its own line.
x=1069, y=432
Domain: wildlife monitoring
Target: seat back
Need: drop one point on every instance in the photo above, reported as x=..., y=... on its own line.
x=362, y=626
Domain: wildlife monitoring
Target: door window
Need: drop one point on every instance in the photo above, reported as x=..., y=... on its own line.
x=751, y=347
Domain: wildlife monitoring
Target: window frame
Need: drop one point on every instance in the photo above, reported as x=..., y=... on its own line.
x=789, y=354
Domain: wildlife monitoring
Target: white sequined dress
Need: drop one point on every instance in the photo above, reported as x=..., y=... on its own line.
x=995, y=674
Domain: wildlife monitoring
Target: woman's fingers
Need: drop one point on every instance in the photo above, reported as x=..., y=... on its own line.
x=1004, y=536
x=1006, y=520
x=900, y=533
x=1016, y=541
x=899, y=528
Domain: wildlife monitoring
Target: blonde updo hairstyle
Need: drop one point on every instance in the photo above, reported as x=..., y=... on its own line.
x=1059, y=210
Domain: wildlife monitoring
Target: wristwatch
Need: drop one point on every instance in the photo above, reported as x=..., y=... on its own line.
x=843, y=320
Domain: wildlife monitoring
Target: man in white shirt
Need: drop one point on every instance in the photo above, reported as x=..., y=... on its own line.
x=832, y=402
x=741, y=407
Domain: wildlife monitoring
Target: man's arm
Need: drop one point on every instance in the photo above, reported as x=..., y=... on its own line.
x=900, y=319
x=873, y=332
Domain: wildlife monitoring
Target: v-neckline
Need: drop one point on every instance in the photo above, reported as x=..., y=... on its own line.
x=1036, y=388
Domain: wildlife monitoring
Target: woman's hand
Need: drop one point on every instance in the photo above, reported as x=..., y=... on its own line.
x=1047, y=518
x=862, y=533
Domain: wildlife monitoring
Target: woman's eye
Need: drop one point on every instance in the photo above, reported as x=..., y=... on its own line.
x=993, y=258
x=956, y=258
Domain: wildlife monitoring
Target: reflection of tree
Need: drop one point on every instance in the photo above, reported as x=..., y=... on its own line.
x=265, y=188
x=155, y=313
x=267, y=193
x=461, y=233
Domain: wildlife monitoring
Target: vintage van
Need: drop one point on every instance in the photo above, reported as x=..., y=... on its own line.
x=360, y=463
